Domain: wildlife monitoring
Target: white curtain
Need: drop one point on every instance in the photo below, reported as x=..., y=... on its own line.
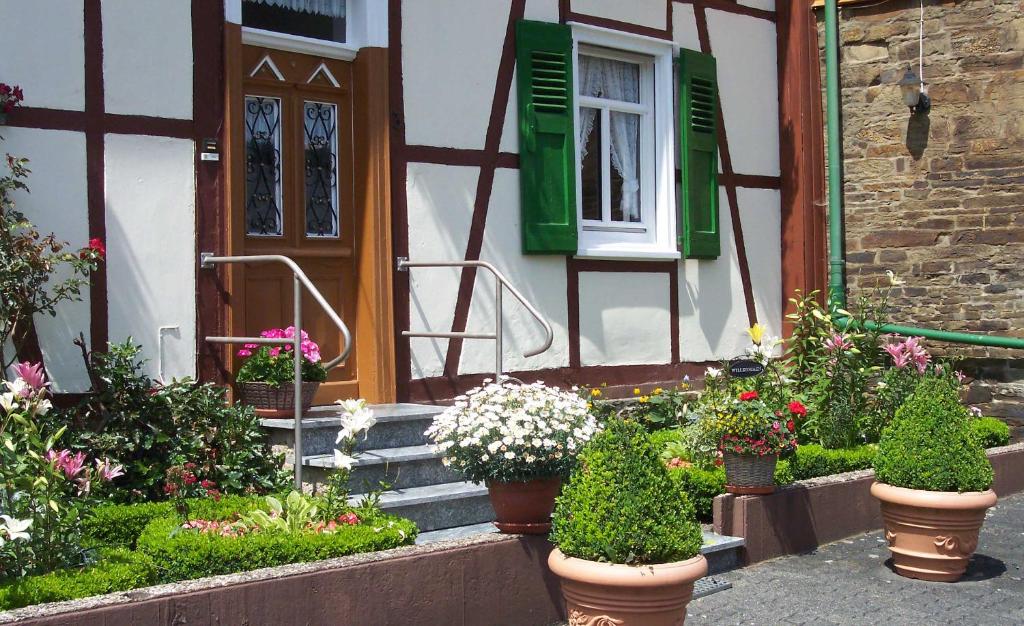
x=330, y=8
x=614, y=80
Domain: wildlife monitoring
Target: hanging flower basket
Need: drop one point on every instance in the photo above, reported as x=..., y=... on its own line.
x=749, y=474
x=279, y=401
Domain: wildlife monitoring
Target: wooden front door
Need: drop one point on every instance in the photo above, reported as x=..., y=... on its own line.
x=296, y=197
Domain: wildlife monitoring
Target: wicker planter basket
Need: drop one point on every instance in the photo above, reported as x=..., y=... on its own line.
x=749, y=473
x=276, y=401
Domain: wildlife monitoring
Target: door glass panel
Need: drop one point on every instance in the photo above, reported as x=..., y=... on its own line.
x=320, y=125
x=263, y=166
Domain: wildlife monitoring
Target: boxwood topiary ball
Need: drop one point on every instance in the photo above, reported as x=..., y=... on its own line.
x=930, y=444
x=621, y=505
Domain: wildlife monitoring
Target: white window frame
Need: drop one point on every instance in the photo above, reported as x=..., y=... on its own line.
x=366, y=24
x=654, y=237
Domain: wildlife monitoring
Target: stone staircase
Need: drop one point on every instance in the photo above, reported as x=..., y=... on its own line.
x=441, y=504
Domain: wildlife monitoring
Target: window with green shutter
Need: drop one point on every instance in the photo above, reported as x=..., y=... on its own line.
x=698, y=141
x=547, y=152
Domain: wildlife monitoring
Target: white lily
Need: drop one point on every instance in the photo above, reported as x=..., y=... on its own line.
x=343, y=461
x=16, y=527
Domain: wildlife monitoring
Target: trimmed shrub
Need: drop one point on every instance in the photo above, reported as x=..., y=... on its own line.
x=930, y=445
x=121, y=524
x=185, y=555
x=812, y=460
x=701, y=486
x=992, y=432
x=117, y=570
x=621, y=506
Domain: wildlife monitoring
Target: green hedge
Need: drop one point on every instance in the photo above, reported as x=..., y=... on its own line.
x=991, y=431
x=703, y=485
x=116, y=570
x=184, y=555
x=812, y=460
x=121, y=524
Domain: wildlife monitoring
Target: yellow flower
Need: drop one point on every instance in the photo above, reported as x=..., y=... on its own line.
x=636, y=391
x=595, y=393
x=657, y=391
x=643, y=399
x=756, y=332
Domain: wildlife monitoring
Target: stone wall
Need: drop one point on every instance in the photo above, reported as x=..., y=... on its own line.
x=939, y=198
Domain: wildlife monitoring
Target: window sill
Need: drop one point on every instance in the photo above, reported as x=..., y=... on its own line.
x=623, y=254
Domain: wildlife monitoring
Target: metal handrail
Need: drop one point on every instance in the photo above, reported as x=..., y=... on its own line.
x=299, y=280
x=501, y=283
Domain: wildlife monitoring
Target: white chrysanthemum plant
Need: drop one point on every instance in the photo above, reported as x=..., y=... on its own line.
x=508, y=432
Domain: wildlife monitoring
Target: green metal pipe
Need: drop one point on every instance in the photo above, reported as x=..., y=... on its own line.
x=836, y=276
x=836, y=281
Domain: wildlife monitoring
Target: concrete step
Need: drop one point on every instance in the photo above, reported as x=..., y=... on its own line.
x=434, y=507
x=398, y=425
x=722, y=552
x=401, y=468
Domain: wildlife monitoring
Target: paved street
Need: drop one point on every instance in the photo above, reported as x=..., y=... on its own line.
x=849, y=582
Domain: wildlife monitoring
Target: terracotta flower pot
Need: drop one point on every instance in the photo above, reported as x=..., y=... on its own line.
x=603, y=594
x=749, y=473
x=932, y=534
x=276, y=402
x=524, y=507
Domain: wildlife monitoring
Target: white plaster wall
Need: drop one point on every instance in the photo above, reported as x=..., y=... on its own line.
x=151, y=247
x=147, y=57
x=761, y=216
x=643, y=12
x=44, y=51
x=767, y=5
x=684, y=26
x=449, y=69
x=541, y=279
x=745, y=49
x=712, y=310
x=440, y=209
x=624, y=318
x=57, y=204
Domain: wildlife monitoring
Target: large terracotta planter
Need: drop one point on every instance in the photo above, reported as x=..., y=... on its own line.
x=932, y=534
x=747, y=474
x=276, y=402
x=524, y=507
x=603, y=594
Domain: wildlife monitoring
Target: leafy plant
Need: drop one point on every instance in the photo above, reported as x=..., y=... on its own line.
x=990, y=431
x=621, y=506
x=930, y=445
x=812, y=460
x=275, y=365
x=661, y=408
x=509, y=432
x=296, y=514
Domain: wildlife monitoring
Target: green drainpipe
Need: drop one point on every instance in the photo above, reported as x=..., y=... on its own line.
x=836, y=278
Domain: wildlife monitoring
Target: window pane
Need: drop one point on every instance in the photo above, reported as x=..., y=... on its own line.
x=320, y=124
x=625, y=157
x=263, y=166
x=282, y=19
x=590, y=159
x=607, y=78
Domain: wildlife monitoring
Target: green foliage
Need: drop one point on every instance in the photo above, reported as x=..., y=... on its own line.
x=278, y=368
x=116, y=570
x=188, y=554
x=930, y=445
x=701, y=486
x=150, y=428
x=991, y=432
x=621, y=506
x=294, y=515
x=662, y=408
x=812, y=461
x=895, y=387
x=121, y=524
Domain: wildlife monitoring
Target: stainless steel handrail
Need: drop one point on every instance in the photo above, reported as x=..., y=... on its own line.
x=299, y=280
x=500, y=283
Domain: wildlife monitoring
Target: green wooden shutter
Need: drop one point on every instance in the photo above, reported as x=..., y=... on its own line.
x=698, y=141
x=547, y=151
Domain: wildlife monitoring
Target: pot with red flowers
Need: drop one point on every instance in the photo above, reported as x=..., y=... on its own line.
x=266, y=378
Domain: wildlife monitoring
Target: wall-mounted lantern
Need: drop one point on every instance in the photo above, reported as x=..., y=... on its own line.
x=915, y=94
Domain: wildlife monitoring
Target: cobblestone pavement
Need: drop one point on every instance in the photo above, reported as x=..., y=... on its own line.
x=850, y=582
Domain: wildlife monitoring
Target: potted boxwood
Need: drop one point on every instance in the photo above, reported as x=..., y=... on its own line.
x=628, y=547
x=933, y=482
x=520, y=440
x=751, y=435
x=266, y=378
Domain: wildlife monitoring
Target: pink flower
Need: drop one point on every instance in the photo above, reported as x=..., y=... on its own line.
x=900, y=357
x=32, y=373
x=251, y=346
x=838, y=342
x=275, y=351
x=243, y=352
x=57, y=457
x=72, y=464
x=960, y=376
x=107, y=471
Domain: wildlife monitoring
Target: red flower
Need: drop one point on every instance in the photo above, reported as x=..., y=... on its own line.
x=797, y=408
x=748, y=395
x=790, y=425
x=96, y=245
